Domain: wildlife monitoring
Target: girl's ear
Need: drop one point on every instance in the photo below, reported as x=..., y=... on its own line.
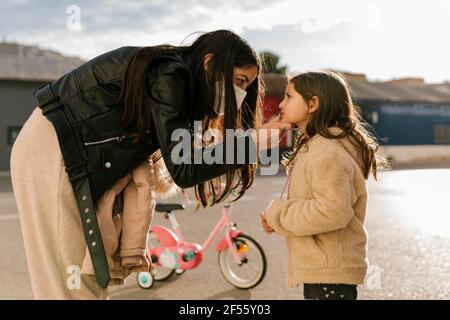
x=313, y=104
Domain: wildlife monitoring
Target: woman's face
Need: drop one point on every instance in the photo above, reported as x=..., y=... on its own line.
x=294, y=109
x=244, y=76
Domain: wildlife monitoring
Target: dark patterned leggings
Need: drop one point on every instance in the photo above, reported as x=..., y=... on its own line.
x=329, y=291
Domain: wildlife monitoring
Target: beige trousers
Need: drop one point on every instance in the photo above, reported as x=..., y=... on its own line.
x=49, y=216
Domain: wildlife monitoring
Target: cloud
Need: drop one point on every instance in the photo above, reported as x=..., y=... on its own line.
x=383, y=38
x=108, y=24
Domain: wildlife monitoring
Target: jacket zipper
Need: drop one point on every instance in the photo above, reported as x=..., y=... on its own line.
x=118, y=139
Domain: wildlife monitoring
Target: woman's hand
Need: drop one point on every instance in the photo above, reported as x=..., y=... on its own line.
x=270, y=134
x=266, y=227
x=266, y=137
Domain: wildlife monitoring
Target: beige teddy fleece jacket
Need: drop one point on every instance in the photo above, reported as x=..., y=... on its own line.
x=323, y=217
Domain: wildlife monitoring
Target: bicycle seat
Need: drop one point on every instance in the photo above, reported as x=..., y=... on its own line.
x=167, y=207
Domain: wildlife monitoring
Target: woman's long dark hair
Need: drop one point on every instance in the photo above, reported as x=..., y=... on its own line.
x=336, y=109
x=229, y=50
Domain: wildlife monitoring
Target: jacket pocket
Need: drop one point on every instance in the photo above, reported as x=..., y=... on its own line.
x=110, y=163
x=353, y=246
x=111, y=139
x=307, y=254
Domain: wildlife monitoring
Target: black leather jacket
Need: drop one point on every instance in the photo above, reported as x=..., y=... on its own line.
x=90, y=95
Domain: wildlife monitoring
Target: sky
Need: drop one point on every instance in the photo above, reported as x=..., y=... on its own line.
x=383, y=39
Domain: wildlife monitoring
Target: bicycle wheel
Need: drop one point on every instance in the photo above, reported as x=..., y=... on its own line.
x=253, y=268
x=145, y=280
x=161, y=273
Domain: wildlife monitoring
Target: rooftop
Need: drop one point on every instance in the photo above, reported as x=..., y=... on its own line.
x=31, y=63
x=398, y=90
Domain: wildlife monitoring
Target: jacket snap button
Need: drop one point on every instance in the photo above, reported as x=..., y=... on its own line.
x=91, y=232
x=83, y=198
x=107, y=165
x=93, y=244
x=88, y=220
x=86, y=210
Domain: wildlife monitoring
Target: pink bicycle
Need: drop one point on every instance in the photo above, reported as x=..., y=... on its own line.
x=242, y=261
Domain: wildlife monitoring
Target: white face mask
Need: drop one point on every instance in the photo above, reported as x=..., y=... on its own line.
x=240, y=96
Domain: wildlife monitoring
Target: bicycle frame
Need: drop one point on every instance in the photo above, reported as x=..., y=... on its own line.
x=224, y=222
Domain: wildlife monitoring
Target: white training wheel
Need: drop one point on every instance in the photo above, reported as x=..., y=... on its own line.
x=145, y=280
x=179, y=271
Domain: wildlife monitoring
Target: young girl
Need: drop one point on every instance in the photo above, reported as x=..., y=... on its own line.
x=323, y=217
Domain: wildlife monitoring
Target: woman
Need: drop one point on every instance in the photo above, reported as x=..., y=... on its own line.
x=101, y=120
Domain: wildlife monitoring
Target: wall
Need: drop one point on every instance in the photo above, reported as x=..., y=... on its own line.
x=16, y=104
x=419, y=156
x=410, y=124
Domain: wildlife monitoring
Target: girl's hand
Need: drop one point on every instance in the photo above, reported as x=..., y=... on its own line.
x=266, y=227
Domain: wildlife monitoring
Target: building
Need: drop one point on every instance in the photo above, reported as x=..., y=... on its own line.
x=401, y=112
x=407, y=112
x=275, y=85
x=411, y=119
x=23, y=69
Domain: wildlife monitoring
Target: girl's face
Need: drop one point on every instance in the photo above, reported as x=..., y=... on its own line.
x=294, y=109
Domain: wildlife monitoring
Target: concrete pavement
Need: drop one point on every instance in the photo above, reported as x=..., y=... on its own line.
x=408, y=225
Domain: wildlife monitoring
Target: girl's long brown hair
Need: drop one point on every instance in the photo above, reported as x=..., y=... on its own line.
x=336, y=109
